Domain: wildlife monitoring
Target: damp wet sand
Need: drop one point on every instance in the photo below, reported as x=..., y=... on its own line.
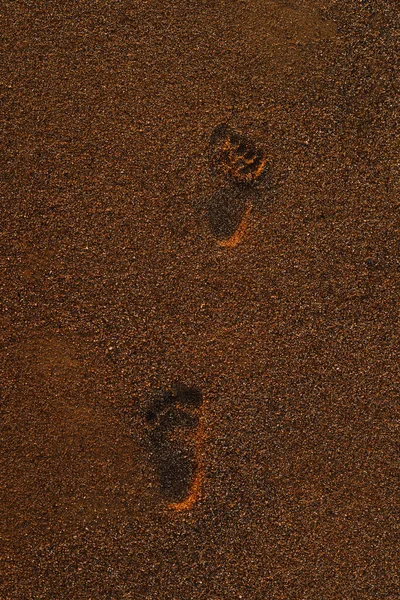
x=114, y=289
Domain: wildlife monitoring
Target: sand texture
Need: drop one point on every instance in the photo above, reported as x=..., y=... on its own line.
x=264, y=276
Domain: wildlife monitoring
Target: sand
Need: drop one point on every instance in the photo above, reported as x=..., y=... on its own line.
x=113, y=288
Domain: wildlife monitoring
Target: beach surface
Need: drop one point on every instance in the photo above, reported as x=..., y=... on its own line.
x=114, y=290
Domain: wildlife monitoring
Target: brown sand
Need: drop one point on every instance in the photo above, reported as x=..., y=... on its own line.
x=112, y=287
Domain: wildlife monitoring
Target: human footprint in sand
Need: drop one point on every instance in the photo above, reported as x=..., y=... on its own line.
x=239, y=166
x=175, y=431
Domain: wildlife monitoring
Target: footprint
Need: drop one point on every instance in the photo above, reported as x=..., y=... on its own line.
x=236, y=157
x=174, y=426
x=239, y=166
